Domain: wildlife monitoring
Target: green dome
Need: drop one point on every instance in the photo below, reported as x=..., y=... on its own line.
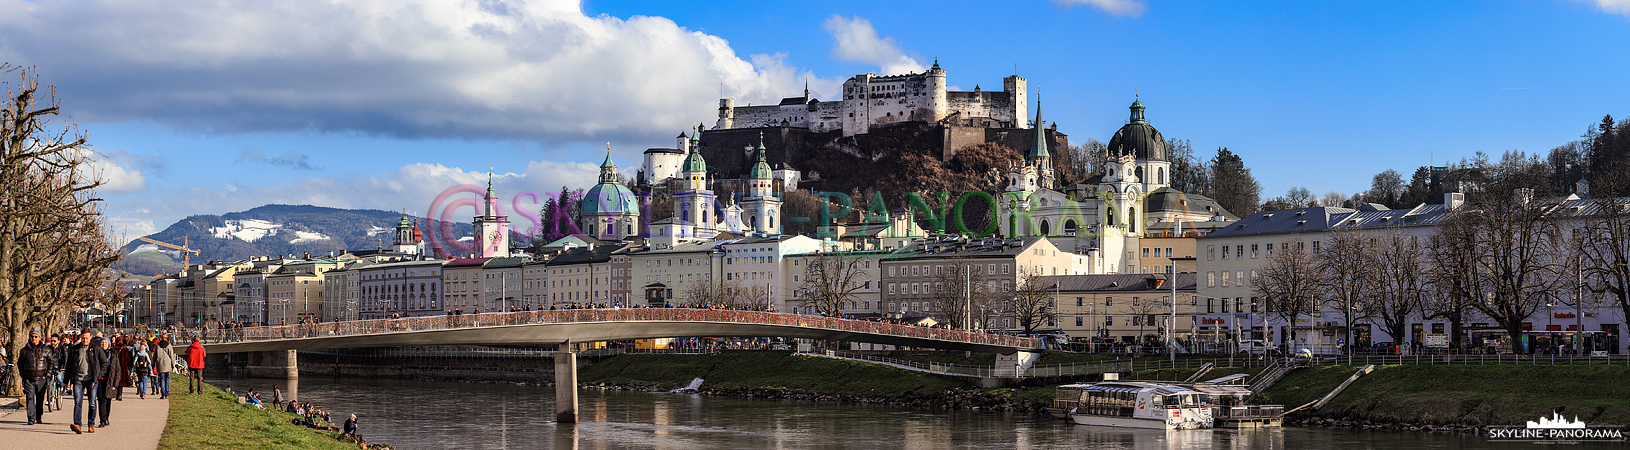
x=610, y=198
x=761, y=169
x=695, y=163
x=1138, y=139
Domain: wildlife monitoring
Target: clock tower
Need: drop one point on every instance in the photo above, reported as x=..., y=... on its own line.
x=491, y=230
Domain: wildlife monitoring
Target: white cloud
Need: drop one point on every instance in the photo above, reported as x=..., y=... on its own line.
x=1132, y=8
x=109, y=168
x=489, y=69
x=1614, y=6
x=857, y=41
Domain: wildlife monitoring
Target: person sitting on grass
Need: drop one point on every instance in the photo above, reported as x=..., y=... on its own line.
x=351, y=427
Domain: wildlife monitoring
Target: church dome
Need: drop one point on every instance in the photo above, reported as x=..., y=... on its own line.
x=610, y=198
x=761, y=169
x=695, y=163
x=1138, y=138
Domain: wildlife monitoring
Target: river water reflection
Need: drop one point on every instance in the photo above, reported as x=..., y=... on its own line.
x=458, y=415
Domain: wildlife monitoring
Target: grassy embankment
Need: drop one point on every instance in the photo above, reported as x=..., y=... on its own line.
x=216, y=420
x=1462, y=395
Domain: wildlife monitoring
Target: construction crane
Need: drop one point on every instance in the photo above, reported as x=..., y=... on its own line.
x=186, y=253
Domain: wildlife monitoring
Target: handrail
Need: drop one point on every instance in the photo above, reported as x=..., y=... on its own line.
x=411, y=324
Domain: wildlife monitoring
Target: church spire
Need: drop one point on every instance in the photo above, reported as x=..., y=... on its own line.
x=1039, y=147
x=608, y=169
x=488, y=200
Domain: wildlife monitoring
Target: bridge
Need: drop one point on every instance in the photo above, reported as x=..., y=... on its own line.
x=273, y=347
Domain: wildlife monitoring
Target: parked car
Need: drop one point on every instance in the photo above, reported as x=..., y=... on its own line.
x=1254, y=346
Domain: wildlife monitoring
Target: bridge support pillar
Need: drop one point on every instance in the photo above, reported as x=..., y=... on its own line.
x=565, y=384
x=276, y=364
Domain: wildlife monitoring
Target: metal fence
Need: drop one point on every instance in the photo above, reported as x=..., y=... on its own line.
x=410, y=324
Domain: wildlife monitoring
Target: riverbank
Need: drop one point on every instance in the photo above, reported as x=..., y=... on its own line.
x=1456, y=398
x=215, y=419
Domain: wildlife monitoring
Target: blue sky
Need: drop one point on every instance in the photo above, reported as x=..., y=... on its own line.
x=206, y=108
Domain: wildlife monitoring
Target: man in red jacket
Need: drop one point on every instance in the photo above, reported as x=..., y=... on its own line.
x=195, y=366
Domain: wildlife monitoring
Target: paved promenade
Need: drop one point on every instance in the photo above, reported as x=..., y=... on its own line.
x=137, y=424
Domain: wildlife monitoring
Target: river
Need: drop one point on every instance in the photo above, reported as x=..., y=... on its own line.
x=463, y=415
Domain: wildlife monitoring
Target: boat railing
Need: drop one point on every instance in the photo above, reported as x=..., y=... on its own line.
x=1248, y=412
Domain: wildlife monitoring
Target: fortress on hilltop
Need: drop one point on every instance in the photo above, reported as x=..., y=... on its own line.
x=870, y=100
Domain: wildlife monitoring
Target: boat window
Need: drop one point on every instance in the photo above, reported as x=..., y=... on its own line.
x=1157, y=402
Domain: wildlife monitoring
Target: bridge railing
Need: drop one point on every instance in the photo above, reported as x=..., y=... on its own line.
x=428, y=323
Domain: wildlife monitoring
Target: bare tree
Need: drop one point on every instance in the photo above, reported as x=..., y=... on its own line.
x=830, y=281
x=1031, y=303
x=1453, y=275
x=1400, y=280
x=1332, y=199
x=1145, y=310
x=756, y=298
x=1605, y=248
x=1300, y=197
x=962, y=297
x=1522, y=256
x=1289, y=283
x=715, y=292
x=54, y=250
x=1347, y=275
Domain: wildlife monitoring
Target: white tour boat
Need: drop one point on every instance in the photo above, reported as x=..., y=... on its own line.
x=1136, y=404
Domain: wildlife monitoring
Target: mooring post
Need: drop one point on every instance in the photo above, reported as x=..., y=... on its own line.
x=565, y=384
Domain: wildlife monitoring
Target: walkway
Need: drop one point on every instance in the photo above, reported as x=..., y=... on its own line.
x=137, y=424
x=591, y=325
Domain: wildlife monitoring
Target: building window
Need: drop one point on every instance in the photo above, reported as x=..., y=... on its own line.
x=1210, y=306
x=1080, y=301
x=1253, y=251
x=1109, y=321
x=1211, y=252
x=1211, y=279
x=1225, y=252
x=1109, y=301
x=1146, y=252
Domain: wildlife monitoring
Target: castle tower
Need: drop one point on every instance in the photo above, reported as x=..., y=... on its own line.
x=727, y=114
x=761, y=208
x=610, y=211
x=694, y=202
x=1014, y=85
x=491, y=230
x=937, y=88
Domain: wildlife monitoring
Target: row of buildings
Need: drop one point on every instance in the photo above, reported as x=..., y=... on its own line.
x=1126, y=257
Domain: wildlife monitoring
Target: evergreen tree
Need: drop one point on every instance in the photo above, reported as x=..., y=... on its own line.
x=1232, y=184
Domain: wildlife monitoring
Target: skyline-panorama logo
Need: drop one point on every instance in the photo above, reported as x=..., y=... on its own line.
x=1556, y=430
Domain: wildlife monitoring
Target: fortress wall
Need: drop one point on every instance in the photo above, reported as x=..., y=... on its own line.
x=771, y=116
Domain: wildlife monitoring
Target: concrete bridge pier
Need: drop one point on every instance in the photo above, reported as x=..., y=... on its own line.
x=565, y=384
x=276, y=364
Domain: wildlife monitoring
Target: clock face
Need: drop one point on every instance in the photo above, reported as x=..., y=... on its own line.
x=495, y=236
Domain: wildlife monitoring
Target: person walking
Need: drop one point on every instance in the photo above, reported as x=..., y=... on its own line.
x=195, y=367
x=277, y=395
x=36, y=363
x=124, y=347
x=164, y=363
x=83, y=368
x=142, y=365
x=108, y=387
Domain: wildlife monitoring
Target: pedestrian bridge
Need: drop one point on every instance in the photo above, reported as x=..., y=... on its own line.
x=272, y=348
x=592, y=325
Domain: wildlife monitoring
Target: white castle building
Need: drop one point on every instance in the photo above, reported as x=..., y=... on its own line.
x=870, y=100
